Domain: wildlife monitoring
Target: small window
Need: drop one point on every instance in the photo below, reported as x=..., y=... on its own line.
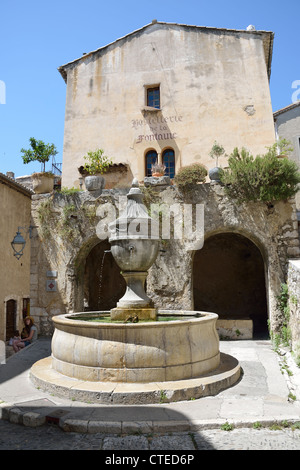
x=153, y=97
x=168, y=159
x=151, y=158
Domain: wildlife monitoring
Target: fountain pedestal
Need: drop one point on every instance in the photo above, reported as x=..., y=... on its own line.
x=133, y=314
x=135, y=304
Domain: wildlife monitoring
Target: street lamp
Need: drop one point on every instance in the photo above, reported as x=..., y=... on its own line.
x=18, y=243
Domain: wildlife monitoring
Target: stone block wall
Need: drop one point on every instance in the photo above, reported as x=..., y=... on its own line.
x=294, y=303
x=69, y=227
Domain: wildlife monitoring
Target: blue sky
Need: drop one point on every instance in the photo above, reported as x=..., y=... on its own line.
x=36, y=37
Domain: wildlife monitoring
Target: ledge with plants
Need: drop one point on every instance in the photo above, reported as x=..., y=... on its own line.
x=265, y=178
x=96, y=164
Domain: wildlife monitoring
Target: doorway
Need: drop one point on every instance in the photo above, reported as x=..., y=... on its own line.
x=11, y=309
x=229, y=279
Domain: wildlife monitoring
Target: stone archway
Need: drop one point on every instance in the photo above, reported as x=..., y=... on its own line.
x=103, y=283
x=229, y=279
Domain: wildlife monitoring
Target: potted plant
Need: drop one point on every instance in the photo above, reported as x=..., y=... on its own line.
x=158, y=169
x=216, y=152
x=43, y=181
x=96, y=164
x=283, y=148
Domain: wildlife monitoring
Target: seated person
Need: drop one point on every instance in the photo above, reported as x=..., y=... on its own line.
x=30, y=335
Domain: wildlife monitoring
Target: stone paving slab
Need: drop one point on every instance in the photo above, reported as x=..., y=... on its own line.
x=16, y=437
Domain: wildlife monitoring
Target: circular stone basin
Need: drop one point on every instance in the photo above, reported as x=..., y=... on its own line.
x=186, y=346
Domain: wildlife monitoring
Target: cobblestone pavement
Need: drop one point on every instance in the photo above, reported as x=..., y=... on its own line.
x=18, y=437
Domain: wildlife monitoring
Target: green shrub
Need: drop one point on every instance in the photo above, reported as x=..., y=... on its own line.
x=265, y=178
x=190, y=175
x=283, y=306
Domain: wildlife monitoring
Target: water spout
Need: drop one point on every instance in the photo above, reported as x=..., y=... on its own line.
x=100, y=278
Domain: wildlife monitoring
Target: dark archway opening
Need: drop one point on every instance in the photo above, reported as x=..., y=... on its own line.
x=103, y=283
x=229, y=279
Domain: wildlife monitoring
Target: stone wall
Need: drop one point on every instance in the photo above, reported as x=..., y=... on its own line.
x=294, y=303
x=69, y=227
x=287, y=125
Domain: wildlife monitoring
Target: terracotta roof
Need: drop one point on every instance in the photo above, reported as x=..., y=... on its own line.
x=267, y=37
x=286, y=108
x=14, y=185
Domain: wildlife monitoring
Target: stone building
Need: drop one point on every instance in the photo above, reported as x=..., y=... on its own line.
x=15, y=204
x=167, y=92
x=287, y=126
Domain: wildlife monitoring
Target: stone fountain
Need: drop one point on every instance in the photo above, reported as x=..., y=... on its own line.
x=135, y=353
x=134, y=239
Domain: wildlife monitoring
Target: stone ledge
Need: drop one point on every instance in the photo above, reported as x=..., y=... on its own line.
x=157, y=181
x=235, y=328
x=49, y=380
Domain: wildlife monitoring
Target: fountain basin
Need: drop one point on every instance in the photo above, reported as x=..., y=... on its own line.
x=143, y=352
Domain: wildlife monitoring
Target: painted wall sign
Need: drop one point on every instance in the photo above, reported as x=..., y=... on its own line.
x=152, y=137
x=155, y=120
x=159, y=128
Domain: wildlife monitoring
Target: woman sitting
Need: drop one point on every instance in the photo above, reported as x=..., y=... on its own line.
x=29, y=337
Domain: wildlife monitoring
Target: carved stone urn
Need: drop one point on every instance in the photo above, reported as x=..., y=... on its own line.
x=134, y=240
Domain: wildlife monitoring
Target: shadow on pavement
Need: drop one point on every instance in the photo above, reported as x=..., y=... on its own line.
x=116, y=420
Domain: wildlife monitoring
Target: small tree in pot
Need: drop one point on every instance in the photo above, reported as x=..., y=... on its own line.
x=40, y=152
x=216, y=152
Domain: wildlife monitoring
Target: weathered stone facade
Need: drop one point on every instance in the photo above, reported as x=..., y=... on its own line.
x=287, y=126
x=294, y=304
x=67, y=252
x=213, y=84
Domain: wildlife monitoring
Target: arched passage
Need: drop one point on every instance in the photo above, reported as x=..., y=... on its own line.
x=103, y=283
x=229, y=279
